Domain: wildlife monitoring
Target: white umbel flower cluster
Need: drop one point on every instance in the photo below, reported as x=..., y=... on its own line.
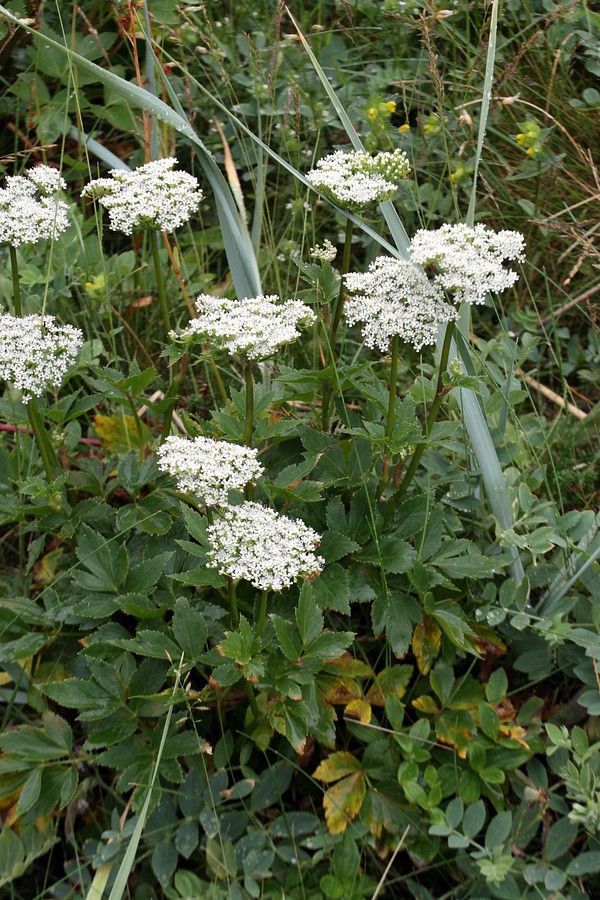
x=151, y=198
x=326, y=253
x=35, y=353
x=254, y=327
x=356, y=179
x=208, y=468
x=269, y=550
x=469, y=261
x=395, y=297
x=25, y=217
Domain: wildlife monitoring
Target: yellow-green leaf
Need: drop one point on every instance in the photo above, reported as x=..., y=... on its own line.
x=343, y=801
x=426, y=642
x=336, y=766
x=359, y=710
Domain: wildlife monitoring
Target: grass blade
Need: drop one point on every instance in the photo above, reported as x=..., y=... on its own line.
x=485, y=108
x=126, y=867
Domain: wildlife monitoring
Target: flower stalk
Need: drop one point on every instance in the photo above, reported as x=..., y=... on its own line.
x=337, y=317
x=14, y=265
x=391, y=412
x=160, y=282
x=440, y=393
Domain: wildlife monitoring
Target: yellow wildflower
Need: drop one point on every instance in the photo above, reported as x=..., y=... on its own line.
x=372, y=114
x=404, y=128
x=391, y=106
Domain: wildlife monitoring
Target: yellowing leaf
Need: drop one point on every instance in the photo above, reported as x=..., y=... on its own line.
x=392, y=680
x=426, y=704
x=456, y=728
x=119, y=434
x=359, y=710
x=426, y=641
x=348, y=665
x=343, y=801
x=337, y=765
x=341, y=690
x=44, y=571
x=516, y=733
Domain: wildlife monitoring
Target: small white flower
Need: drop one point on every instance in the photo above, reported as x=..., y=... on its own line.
x=47, y=179
x=208, y=468
x=356, y=179
x=269, y=550
x=26, y=218
x=254, y=327
x=35, y=353
x=151, y=198
x=469, y=261
x=326, y=253
x=395, y=297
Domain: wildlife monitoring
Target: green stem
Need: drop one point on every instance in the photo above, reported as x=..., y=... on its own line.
x=391, y=413
x=252, y=701
x=14, y=265
x=337, y=317
x=440, y=393
x=249, y=403
x=160, y=282
x=262, y=614
x=339, y=306
x=42, y=440
x=173, y=392
x=235, y=616
x=217, y=376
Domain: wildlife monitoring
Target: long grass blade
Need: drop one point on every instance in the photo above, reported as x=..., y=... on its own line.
x=126, y=867
x=485, y=107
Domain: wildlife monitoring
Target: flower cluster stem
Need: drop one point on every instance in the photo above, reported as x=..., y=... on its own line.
x=14, y=265
x=233, y=605
x=249, y=379
x=42, y=440
x=160, y=282
x=391, y=412
x=40, y=434
x=440, y=393
x=337, y=317
x=262, y=614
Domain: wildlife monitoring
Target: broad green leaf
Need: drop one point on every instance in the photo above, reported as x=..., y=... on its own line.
x=288, y=637
x=164, y=862
x=189, y=628
x=474, y=819
x=396, y=613
x=309, y=617
x=330, y=589
x=497, y=686
x=585, y=863
x=499, y=830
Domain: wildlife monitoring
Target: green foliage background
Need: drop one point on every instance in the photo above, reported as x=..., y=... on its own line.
x=427, y=717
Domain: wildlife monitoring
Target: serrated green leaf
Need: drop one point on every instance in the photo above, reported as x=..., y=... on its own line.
x=189, y=628
x=309, y=617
